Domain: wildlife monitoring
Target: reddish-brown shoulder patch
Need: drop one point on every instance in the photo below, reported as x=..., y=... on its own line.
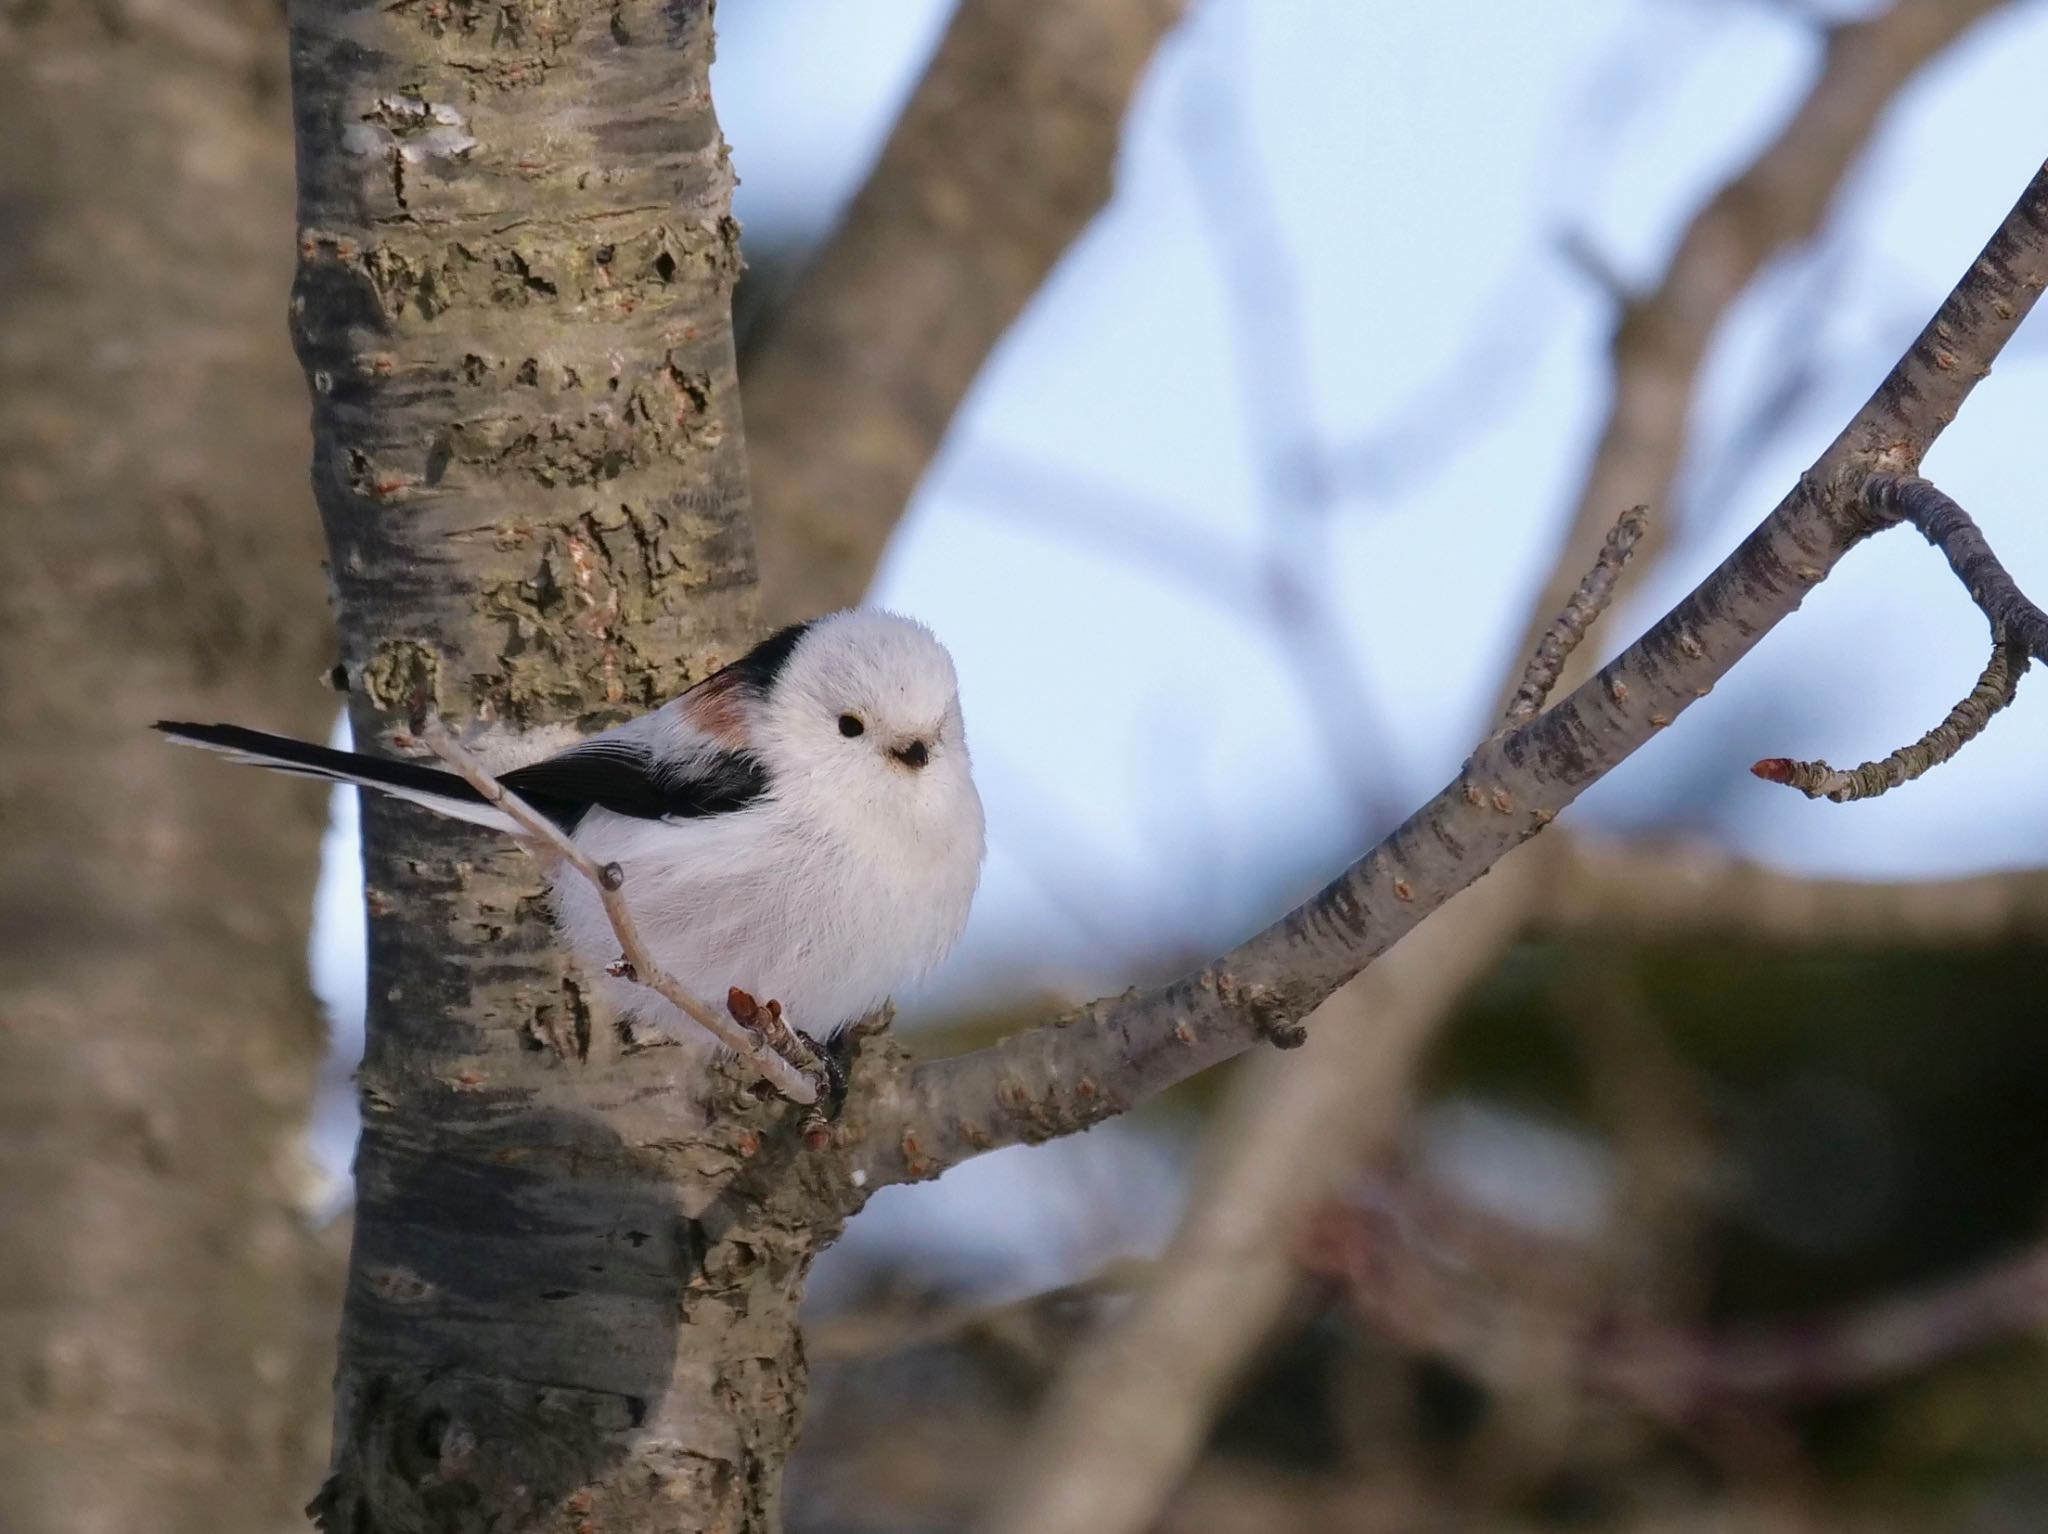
x=718, y=706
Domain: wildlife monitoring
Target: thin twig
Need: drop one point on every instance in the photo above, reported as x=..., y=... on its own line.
x=863, y=1336
x=1908, y=498
x=2019, y=636
x=543, y=838
x=1995, y=689
x=1442, y=1305
x=1566, y=631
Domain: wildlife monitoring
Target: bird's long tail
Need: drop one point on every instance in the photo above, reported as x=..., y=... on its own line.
x=442, y=792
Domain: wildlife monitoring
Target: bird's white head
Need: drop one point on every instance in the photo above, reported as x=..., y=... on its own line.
x=863, y=722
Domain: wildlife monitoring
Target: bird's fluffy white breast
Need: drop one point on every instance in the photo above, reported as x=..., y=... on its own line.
x=773, y=901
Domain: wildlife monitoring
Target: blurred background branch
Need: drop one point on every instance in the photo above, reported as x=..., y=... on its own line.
x=1636, y=891
x=1778, y=201
x=1501, y=1324
x=1122, y=1427
x=1002, y=156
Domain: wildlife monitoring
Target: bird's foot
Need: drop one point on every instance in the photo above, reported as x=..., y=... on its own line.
x=824, y=1067
x=838, y=1053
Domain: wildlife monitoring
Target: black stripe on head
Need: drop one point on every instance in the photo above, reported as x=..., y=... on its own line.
x=759, y=667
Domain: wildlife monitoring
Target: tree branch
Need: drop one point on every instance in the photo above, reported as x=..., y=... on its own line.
x=1621, y=892
x=1580, y=613
x=1110, y=1054
x=1671, y=1372
x=1661, y=338
x=1908, y=498
x=1994, y=690
x=2019, y=635
x=1002, y=157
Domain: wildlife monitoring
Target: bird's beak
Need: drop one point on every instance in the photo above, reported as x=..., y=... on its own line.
x=912, y=753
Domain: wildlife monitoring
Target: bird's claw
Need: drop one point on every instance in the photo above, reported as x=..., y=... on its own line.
x=821, y=1066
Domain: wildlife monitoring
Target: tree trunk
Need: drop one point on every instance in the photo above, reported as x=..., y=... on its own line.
x=157, y=1037
x=577, y=1261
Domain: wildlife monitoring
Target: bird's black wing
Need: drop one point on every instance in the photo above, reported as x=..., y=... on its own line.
x=623, y=777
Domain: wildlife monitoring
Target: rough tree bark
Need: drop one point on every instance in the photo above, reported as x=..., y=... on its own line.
x=575, y=1274
x=158, y=1041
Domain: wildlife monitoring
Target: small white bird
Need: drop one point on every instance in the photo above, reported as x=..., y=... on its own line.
x=801, y=826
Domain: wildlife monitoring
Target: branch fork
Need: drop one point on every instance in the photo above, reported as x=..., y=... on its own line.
x=1568, y=629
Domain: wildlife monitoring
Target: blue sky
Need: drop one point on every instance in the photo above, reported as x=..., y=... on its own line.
x=1404, y=175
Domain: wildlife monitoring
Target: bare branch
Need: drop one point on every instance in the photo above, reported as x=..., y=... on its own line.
x=1995, y=689
x=1001, y=158
x=1580, y=613
x=1668, y=1371
x=1908, y=498
x=1624, y=892
x=859, y=1336
x=1876, y=1342
x=2019, y=635
x=544, y=839
x=1112, y=1053
x=1583, y=253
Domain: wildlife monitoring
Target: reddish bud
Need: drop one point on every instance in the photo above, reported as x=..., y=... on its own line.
x=1774, y=769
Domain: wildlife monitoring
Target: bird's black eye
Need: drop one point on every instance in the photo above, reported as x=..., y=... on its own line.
x=850, y=725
